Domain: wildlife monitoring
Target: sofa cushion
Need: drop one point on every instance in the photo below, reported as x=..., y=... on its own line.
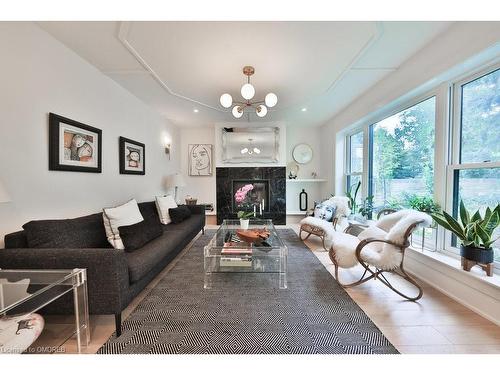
x=163, y=204
x=191, y=224
x=82, y=232
x=137, y=235
x=143, y=260
x=179, y=214
x=114, y=217
x=149, y=211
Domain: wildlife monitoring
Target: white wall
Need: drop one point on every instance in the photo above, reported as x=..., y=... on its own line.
x=448, y=54
x=200, y=187
x=39, y=75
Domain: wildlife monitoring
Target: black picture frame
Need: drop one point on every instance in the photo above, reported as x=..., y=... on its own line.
x=123, y=166
x=56, y=163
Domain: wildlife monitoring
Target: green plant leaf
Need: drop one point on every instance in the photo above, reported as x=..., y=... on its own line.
x=493, y=223
x=476, y=216
x=464, y=214
x=457, y=228
x=485, y=237
x=444, y=223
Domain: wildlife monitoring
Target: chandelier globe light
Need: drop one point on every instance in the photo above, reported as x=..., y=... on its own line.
x=226, y=100
x=248, y=92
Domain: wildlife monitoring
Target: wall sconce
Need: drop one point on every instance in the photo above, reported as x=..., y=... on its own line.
x=167, y=150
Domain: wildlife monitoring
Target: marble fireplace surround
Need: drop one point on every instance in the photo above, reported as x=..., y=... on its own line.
x=276, y=177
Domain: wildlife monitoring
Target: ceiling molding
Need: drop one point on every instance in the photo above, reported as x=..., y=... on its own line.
x=124, y=29
x=379, y=31
x=123, y=32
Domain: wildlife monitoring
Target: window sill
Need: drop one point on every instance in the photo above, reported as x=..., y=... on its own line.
x=475, y=275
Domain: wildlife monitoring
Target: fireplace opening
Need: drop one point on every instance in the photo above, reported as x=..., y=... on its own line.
x=258, y=195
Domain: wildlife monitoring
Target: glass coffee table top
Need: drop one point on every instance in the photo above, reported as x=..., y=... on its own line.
x=227, y=252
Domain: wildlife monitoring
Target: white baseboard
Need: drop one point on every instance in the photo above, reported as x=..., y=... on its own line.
x=480, y=295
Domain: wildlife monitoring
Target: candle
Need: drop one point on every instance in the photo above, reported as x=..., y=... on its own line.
x=260, y=209
x=263, y=206
x=254, y=210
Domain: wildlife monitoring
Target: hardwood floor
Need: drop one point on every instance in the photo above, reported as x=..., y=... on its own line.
x=436, y=324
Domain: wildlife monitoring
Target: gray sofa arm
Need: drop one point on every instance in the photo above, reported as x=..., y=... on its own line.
x=107, y=272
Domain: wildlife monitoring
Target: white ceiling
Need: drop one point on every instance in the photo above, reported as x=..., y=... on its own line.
x=176, y=67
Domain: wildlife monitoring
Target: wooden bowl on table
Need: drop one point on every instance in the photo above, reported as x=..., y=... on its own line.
x=255, y=236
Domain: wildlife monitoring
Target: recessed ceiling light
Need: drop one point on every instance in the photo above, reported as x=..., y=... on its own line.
x=304, y=109
x=196, y=110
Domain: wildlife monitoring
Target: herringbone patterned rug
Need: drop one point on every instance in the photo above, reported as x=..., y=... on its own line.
x=248, y=313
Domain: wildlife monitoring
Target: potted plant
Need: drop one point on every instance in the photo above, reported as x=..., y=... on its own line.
x=423, y=204
x=475, y=232
x=366, y=208
x=352, y=194
x=241, y=199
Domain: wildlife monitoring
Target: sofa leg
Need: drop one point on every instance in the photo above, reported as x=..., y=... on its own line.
x=118, y=324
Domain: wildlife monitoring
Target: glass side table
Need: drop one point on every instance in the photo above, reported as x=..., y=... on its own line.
x=23, y=292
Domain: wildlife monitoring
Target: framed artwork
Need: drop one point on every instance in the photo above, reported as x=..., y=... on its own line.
x=74, y=146
x=200, y=160
x=132, y=157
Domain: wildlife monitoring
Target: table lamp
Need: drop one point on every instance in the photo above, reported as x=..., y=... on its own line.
x=175, y=181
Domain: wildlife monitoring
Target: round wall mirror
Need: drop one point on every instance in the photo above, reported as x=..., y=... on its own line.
x=302, y=153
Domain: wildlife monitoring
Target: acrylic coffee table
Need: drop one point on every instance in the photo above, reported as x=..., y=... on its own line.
x=269, y=257
x=23, y=292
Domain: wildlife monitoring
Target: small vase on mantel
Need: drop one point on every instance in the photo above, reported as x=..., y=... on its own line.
x=244, y=223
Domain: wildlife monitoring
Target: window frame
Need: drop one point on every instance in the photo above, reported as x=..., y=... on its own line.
x=454, y=165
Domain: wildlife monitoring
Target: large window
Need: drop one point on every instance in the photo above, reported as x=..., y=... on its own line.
x=402, y=155
x=446, y=148
x=355, y=160
x=476, y=167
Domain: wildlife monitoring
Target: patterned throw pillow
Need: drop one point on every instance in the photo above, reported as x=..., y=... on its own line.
x=324, y=211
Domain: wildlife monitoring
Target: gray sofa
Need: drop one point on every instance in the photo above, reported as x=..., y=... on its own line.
x=115, y=277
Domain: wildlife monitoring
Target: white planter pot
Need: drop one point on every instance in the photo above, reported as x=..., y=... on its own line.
x=244, y=223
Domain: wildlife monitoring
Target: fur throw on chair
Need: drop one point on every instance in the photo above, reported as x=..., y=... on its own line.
x=392, y=227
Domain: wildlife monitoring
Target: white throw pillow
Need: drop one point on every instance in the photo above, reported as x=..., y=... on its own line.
x=163, y=204
x=126, y=214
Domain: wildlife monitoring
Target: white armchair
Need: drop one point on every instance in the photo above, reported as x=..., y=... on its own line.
x=379, y=248
x=322, y=228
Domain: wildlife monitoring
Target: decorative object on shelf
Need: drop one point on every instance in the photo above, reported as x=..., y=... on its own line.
x=293, y=171
x=247, y=92
x=200, y=159
x=475, y=233
x=132, y=157
x=175, y=181
x=255, y=236
x=74, y=146
x=190, y=200
x=4, y=196
x=314, y=175
x=303, y=200
x=302, y=153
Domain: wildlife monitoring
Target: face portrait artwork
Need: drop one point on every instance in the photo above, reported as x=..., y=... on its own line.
x=78, y=147
x=133, y=157
x=200, y=160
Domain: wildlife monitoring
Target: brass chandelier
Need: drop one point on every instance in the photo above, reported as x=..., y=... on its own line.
x=248, y=92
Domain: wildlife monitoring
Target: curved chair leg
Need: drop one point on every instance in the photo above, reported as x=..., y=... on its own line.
x=361, y=280
x=409, y=279
x=300, y=235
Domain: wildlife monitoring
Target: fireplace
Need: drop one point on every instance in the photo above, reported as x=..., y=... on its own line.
x=259, y=195
x=269, y=185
